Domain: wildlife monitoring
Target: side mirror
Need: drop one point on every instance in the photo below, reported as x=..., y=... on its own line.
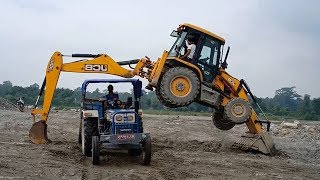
x=129, y=102
x=174, y=34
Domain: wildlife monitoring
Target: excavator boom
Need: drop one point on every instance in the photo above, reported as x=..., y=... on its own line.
x=101, y=63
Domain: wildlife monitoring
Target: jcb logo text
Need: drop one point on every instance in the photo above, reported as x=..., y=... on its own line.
x=95, y=67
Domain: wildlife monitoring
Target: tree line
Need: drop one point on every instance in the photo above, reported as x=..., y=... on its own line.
x=285, y=103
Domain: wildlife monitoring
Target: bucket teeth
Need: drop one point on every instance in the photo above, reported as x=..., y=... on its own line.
x=258, y=142
x=38, y=133
x=245, y=143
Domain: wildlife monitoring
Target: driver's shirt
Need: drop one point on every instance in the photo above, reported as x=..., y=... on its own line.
x=192, y=48
x=111, y=98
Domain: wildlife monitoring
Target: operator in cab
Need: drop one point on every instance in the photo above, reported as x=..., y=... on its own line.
x=111, y=98
x=190, y=50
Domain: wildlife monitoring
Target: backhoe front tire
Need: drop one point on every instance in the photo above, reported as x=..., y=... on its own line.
x=89, y=129
x=237, y=110
x=179, y=87
x=220, y=122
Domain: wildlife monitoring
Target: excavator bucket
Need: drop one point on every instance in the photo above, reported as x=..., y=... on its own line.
x=258, y=142
x=38, y=133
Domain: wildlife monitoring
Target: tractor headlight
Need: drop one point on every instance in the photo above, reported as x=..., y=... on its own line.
x=118, y=118
x=131, y=117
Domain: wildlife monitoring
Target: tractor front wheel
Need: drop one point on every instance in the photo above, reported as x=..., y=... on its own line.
x=145, y=157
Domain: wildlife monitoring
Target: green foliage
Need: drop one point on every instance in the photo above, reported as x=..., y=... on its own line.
x=286, y=103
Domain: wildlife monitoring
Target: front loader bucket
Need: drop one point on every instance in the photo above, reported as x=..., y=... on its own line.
x=38, y=133
x=258, y=142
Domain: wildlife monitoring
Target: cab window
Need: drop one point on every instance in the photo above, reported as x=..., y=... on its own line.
x=209, y=53
x=208, y=59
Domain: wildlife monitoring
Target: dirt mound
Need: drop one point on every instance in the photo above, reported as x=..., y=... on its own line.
x=6, y=105
x=193, y=145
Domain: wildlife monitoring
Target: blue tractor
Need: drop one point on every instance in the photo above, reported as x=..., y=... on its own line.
x=116, y=126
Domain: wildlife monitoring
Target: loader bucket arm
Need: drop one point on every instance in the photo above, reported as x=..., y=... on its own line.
x=102, y=64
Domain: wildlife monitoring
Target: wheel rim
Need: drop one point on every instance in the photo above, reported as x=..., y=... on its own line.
x=238, y=110
x=180, y=86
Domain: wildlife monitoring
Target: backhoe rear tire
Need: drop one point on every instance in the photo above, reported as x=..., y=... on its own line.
x=89, y=129
x=179, y=87
x=162, y=100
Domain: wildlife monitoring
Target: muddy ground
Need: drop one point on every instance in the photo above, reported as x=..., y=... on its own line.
x=184, y=147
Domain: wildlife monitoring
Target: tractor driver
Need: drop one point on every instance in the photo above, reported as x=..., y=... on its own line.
x=111, y=98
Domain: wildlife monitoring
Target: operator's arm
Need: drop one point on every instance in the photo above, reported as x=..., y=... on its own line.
x=186, y=54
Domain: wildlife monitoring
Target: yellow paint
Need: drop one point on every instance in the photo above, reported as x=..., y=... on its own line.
x=221, y=81
x=180, y=86
x=158, y=69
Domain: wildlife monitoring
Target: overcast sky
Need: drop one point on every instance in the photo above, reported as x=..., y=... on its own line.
x=273, y=43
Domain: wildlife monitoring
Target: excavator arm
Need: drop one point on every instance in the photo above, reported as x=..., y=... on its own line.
x=101, y=63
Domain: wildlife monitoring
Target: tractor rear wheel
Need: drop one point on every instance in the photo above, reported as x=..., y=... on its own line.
x=179, y=87
x=220, y=122
x=237, y=110
x=80, y=132
x=145, y=157
x=95, y=150
x=89, y=129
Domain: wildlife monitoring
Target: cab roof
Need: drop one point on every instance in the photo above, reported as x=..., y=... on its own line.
x=204, y=31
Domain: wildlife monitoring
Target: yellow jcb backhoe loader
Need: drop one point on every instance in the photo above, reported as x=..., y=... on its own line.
x=178, y=81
